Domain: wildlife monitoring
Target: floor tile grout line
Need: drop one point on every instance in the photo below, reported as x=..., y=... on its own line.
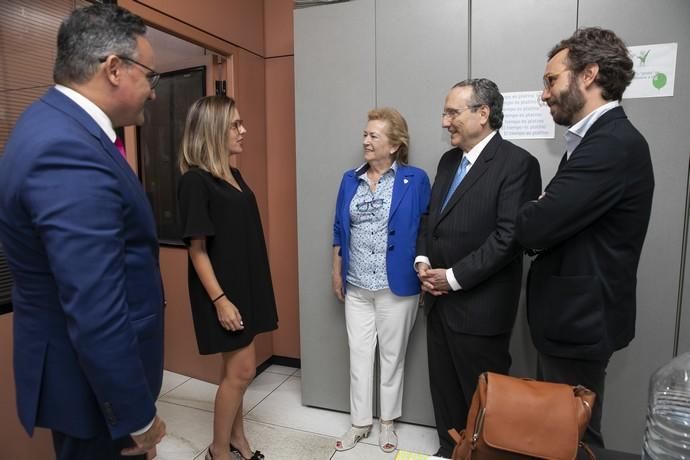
x=290, y=428
x=175, y=387
x=287, y=377
x=279, y=373
x=189, y=407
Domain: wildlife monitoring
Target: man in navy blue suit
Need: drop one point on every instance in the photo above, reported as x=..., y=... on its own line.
x=81, y=244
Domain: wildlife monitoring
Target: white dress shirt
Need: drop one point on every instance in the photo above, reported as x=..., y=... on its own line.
x=92, y=109
x=576, y=132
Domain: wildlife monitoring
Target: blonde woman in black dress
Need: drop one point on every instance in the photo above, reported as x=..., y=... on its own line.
x=230, y=287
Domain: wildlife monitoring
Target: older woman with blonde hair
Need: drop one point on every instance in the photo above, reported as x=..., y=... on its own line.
x=230, y=287
x=377, y=216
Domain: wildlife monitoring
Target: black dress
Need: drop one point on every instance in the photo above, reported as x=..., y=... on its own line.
x=230, y=221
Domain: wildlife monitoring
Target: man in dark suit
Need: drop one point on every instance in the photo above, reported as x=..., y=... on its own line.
x=589, y=225
x=82, y=247
x=469, y=262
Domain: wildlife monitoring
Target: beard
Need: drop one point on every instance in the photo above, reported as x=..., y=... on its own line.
x=565, y=105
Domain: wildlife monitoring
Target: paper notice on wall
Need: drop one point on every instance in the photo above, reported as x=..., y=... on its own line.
x=655, y=70
x=525, y=116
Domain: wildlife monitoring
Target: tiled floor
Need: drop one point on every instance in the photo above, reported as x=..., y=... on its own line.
x=275, y=421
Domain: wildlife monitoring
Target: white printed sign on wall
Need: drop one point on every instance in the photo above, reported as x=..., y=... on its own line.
x=655, y=70
x=526, y=116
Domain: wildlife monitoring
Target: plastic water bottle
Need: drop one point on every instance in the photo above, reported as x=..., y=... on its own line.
x=667, y=435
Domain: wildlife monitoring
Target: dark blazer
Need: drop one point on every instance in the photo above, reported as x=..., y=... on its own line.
x=589, y=228
x=81, y=243
x=410, y=200
x=475, y=235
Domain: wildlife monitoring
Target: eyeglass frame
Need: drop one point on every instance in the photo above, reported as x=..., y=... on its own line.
x=452, y=113
x=369, y=206
x=237, y=124
x=549, y=80
x=152, y=77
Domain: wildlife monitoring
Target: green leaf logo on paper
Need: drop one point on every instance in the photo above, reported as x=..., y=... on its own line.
x=643, y=57
x=659, y=80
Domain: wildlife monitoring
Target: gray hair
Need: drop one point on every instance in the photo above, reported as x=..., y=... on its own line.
x=91, y=34
x=485, y=92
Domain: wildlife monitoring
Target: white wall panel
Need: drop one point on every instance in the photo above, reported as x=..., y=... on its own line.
x=334, y=88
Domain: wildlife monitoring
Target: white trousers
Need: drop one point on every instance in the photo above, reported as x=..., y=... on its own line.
x=388, y=318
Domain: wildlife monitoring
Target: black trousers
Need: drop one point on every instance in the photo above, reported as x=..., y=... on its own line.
x=590, y=374
x=455, y=363
x=99, y=448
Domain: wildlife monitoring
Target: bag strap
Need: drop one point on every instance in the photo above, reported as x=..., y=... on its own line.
x=463, y=449
x=457, y=437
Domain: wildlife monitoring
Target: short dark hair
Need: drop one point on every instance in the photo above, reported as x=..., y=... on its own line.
x=90, y=34
x=594, y=45
x=485, y=92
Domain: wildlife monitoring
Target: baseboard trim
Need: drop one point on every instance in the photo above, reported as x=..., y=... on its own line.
x=280, y=361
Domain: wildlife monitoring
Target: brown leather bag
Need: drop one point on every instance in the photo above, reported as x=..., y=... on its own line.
x=513, y=418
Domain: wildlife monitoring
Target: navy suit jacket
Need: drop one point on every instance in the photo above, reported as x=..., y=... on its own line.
x=411, y=190
x=589, y=228
x=475, y=236
x=81, y=243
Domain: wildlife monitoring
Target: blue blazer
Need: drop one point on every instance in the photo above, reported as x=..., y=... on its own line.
x=81, y=243
x=411, y=191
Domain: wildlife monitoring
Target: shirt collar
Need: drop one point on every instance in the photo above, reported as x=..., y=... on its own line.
x=364, y=167
x=92, y=109
x=576, y=132
x=474, y=152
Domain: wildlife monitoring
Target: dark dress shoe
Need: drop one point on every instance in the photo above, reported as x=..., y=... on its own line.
x=441, y=452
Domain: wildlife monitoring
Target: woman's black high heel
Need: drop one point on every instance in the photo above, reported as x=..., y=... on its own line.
x=256, y=455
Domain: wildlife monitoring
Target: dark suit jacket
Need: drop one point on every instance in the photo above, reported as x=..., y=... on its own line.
x=474, y=234
x=81, y=244
x=589, y=227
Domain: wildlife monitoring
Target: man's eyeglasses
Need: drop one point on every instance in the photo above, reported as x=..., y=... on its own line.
x=152, y=76
x=452, y=113
x=551, y=78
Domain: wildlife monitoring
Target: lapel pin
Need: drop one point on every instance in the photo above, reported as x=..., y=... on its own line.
x=405, y=181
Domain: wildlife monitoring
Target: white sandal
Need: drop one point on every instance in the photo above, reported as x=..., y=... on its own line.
x=352, y=437
x=388, y=439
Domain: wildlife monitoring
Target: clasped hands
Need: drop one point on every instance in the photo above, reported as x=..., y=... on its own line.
x=433, y=280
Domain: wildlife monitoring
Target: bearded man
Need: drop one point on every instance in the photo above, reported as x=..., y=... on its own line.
x=588, y=226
